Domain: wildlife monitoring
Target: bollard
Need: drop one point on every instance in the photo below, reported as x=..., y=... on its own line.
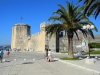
x=34, y=59
x=4, y=60
x=25, y=59
x=15, y=59
x=96, y=57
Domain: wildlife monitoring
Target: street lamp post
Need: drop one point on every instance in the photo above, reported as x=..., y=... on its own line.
x=88, y=27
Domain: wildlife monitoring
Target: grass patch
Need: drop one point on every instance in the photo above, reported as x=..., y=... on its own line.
x=93, y=52
x=63, y=52
x=70, y=58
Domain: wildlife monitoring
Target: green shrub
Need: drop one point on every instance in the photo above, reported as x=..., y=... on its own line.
x=93, y=52
x=63, y=52
x=70, y=58
x=94, y=45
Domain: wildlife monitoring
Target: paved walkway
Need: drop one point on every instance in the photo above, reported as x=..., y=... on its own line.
x=41, y=67
x=82, y=64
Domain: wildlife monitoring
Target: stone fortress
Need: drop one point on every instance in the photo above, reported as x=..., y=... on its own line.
x=23, y=40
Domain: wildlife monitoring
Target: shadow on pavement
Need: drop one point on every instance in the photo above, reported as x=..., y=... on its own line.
x=7, y=61
x=54, y=60
x=28, y=63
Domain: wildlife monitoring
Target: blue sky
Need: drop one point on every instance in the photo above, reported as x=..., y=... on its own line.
x=33, y=12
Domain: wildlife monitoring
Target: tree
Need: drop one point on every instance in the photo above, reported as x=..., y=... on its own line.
x=70, y=20
x=91, y=7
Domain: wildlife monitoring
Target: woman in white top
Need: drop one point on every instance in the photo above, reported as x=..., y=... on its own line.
x=49, y=55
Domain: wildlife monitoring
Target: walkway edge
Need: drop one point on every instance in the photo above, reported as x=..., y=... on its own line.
x=79, y=66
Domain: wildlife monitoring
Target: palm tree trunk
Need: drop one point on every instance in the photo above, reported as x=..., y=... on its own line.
x=70, y=47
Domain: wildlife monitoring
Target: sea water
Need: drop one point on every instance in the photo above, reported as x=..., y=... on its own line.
x=5, y=47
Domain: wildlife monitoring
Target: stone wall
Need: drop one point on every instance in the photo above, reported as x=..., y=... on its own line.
x=20, y=32
x=21, y=39
x=63, y=42
x=37, y=41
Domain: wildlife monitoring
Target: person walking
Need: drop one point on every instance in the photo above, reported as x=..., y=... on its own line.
x=1, y=54
x=8, y=52
x=49, y=55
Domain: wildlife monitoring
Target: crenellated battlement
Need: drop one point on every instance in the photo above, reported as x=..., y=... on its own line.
x=36, y=34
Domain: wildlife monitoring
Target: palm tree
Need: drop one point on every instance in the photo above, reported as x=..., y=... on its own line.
x=91, y=7
x=70, y=20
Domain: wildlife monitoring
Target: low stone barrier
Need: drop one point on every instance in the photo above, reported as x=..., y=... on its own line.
x=94, y=48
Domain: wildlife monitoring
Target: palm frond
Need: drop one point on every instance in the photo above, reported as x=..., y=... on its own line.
x=76, y=35
x=59, y=11
x=54, y=18
x=91, y=33
x=53, y=29
x=85, y=33
x=62, y=9
x=91, y=7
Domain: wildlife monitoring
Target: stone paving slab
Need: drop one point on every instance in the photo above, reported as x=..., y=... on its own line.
x=83, y=65
x=41, y=67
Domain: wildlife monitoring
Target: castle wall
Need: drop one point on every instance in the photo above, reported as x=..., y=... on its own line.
x=51, y=43
x=37, y=42
x=63, y=42
x=19, y=36
x=21, y=39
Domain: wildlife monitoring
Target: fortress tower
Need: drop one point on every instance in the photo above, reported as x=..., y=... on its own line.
x=21, y=38
x=20, y=32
